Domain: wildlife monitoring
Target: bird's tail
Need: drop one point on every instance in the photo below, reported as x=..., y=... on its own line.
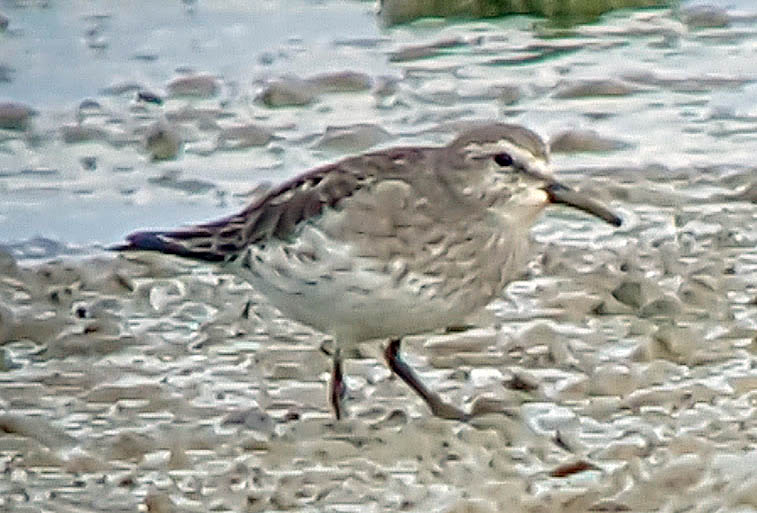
x=213, y=242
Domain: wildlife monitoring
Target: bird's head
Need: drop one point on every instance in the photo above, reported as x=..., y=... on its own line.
x=507, y=166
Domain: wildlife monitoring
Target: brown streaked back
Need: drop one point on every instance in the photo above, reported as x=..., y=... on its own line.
x=277, y=214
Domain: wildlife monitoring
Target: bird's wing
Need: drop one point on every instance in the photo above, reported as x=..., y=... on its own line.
x=278, y=213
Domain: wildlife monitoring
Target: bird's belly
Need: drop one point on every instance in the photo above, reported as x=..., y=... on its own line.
x=357, y=302
x=338, y=289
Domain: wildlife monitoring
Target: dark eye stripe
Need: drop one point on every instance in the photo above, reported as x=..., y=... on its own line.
x=503, y=159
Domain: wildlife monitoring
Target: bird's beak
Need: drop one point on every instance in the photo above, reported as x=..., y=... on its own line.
x=559, y=193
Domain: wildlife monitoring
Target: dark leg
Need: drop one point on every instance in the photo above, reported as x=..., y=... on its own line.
x=403, y=370
x=337, y=388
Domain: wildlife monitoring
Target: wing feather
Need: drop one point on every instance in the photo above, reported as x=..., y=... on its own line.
x=278, y=213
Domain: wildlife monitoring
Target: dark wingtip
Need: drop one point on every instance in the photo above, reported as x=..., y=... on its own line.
x=168, y=243
x=142, y=241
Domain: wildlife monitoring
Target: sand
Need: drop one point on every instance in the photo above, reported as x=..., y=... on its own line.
x=620, y=369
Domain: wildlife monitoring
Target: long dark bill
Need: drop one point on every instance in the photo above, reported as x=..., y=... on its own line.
x=559, y=193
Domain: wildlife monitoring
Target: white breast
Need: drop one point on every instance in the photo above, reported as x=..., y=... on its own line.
x=340, y=289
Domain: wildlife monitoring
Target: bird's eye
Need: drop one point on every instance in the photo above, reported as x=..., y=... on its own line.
x=503, y=159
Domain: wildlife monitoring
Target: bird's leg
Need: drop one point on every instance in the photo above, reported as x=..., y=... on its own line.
x=403, y=370
x=337, y=388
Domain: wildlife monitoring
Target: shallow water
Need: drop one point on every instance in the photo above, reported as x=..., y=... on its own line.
x=625, y=361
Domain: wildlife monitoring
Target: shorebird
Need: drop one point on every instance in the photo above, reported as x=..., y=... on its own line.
x=389, y=243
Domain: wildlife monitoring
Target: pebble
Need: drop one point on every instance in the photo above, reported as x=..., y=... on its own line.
x=6, y=360
x=675, y=343
x=162, y=141
x=470, y=506
x=80, y=462
x=243, y=136
x=40, y=330
x=594, y=88
x=6, y=73
x=253, y=418
x=165, y=294
x=88, y=163
x=573, y=141
x=613, y=379
x=341, y=82
x=423, y=51
x=131, y=446
x=77, y=133
x=39, y=172
x=88, y=343
x=412, y=53
x=629, y=293
x=89, y=108
x=288, y=92
x=200, y=85
x=743, y=384
x=679, y=474
x=386, y=86
x=748, y=194
x=692, y=84
x=477, y=340
x=539, y=334
x=507, y=94
x=171, y=179
x=191, y=113
x=575, y=305
x=7, y=323
x=600, y=407
x=666, y=306
x=149, y=97
x=159, y=502
x=746, y=494
x=120, y=88
x=35, y=428
x=15, y=116
x=659, y=372
x=704, y=16
x=353, y=138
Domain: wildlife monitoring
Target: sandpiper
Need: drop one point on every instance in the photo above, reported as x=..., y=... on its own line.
x=389, y=243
